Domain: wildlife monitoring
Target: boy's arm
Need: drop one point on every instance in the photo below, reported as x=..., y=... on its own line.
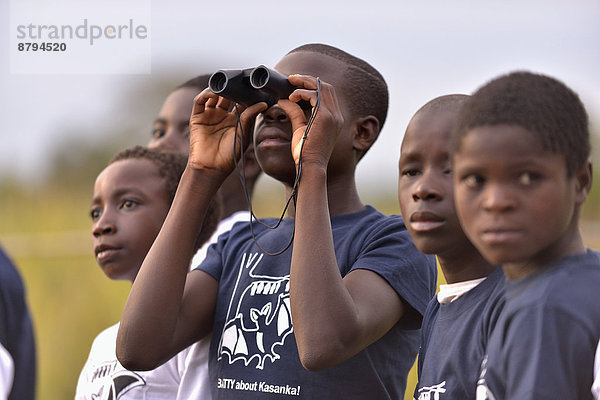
x=334, y=318
x=167, y=309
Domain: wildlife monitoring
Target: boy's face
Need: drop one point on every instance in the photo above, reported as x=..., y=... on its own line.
x=129, y=206
x=425, y=190
x=171, y=129
x=273, y=130
x=513, y=198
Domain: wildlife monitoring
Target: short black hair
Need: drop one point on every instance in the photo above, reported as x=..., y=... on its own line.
x=199, y=82
x=538, y=103
x=170, y=167
x=448, y=102
x=366, y=90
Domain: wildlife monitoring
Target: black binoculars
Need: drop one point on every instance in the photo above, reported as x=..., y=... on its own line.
x=253, y=85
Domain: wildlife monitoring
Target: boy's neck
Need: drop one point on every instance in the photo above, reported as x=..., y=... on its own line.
x=342, y=196
x=233, y=197
x=462, y=269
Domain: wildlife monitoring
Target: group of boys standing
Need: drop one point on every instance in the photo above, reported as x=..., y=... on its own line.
x=491, y=183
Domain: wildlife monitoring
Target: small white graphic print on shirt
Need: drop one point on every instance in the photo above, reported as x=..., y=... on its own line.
x=432, y=392
x=483, y=392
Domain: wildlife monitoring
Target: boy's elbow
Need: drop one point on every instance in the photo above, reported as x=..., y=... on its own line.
x=136, y=359
x=317, y=358
x=312, y=363
x=136, y=362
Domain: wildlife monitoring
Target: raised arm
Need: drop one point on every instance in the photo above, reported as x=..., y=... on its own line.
x=167, y=308
x=334, y=317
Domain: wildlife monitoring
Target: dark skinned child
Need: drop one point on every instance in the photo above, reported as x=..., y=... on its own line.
x=522, y=172
x=132, y=196
x=353, y=282
x=459, y=319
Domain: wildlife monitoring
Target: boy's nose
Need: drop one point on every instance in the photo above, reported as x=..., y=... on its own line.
x=172, y=140
x=498, y=198
x=103, y=226
x=427, y=189
x=275, y=114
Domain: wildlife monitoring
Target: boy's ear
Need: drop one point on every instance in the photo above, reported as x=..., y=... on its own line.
x=583, y=182
x=367, y=131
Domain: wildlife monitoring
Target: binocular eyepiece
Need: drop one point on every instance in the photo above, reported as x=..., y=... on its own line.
x=252, y=85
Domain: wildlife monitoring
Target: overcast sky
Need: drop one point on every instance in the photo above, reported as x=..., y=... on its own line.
x=424, y=49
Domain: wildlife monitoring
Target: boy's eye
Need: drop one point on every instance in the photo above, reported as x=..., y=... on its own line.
x=127, y=204
x=95, y=213
x=527, y=178
x=472, y=181
x=410, y=172
x=157, y=133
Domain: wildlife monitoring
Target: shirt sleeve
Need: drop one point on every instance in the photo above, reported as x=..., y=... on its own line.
x=213, y=261
x=390, y=252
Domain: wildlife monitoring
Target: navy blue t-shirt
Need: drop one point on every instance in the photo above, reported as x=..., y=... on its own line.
x=453, y=340
x=544, y=342
x=253, y=350
x=16, y=331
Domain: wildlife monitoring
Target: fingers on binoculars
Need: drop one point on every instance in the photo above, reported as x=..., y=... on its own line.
x=304, y=94
x=251, y=111
x=309, y=93
x=207, y=99
x=305, y=81
x=295, y=114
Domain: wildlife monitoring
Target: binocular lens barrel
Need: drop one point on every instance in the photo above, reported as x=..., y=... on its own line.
x=259, y=77
x=218, y=82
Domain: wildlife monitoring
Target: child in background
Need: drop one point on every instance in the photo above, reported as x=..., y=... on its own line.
x=132, y=196
x=522, y=172
x=459, y=319
x=354, y=281
x=171, y=128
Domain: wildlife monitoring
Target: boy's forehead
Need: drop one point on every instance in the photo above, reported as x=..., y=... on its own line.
x=502, y=140
x=429, y=128
x=327, y=68
x=137, y=171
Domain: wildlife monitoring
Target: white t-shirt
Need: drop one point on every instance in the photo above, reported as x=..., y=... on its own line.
x=7, y=372
x=224, y=226
x=452, y=291
x=596, y=384
x=103, y=377
x=195, y=383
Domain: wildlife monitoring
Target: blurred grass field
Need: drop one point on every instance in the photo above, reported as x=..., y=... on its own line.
x=47, y=235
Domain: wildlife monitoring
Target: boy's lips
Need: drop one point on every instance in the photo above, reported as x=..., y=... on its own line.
x=104, y=252
x=500, y=235
x=268, y=136
x=423, y=221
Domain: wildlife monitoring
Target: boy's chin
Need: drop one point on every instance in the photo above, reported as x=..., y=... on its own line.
x=285, y=174
x=117, y=273
x=497, y=256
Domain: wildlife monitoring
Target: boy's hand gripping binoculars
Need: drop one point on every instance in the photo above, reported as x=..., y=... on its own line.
x=253, y=85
